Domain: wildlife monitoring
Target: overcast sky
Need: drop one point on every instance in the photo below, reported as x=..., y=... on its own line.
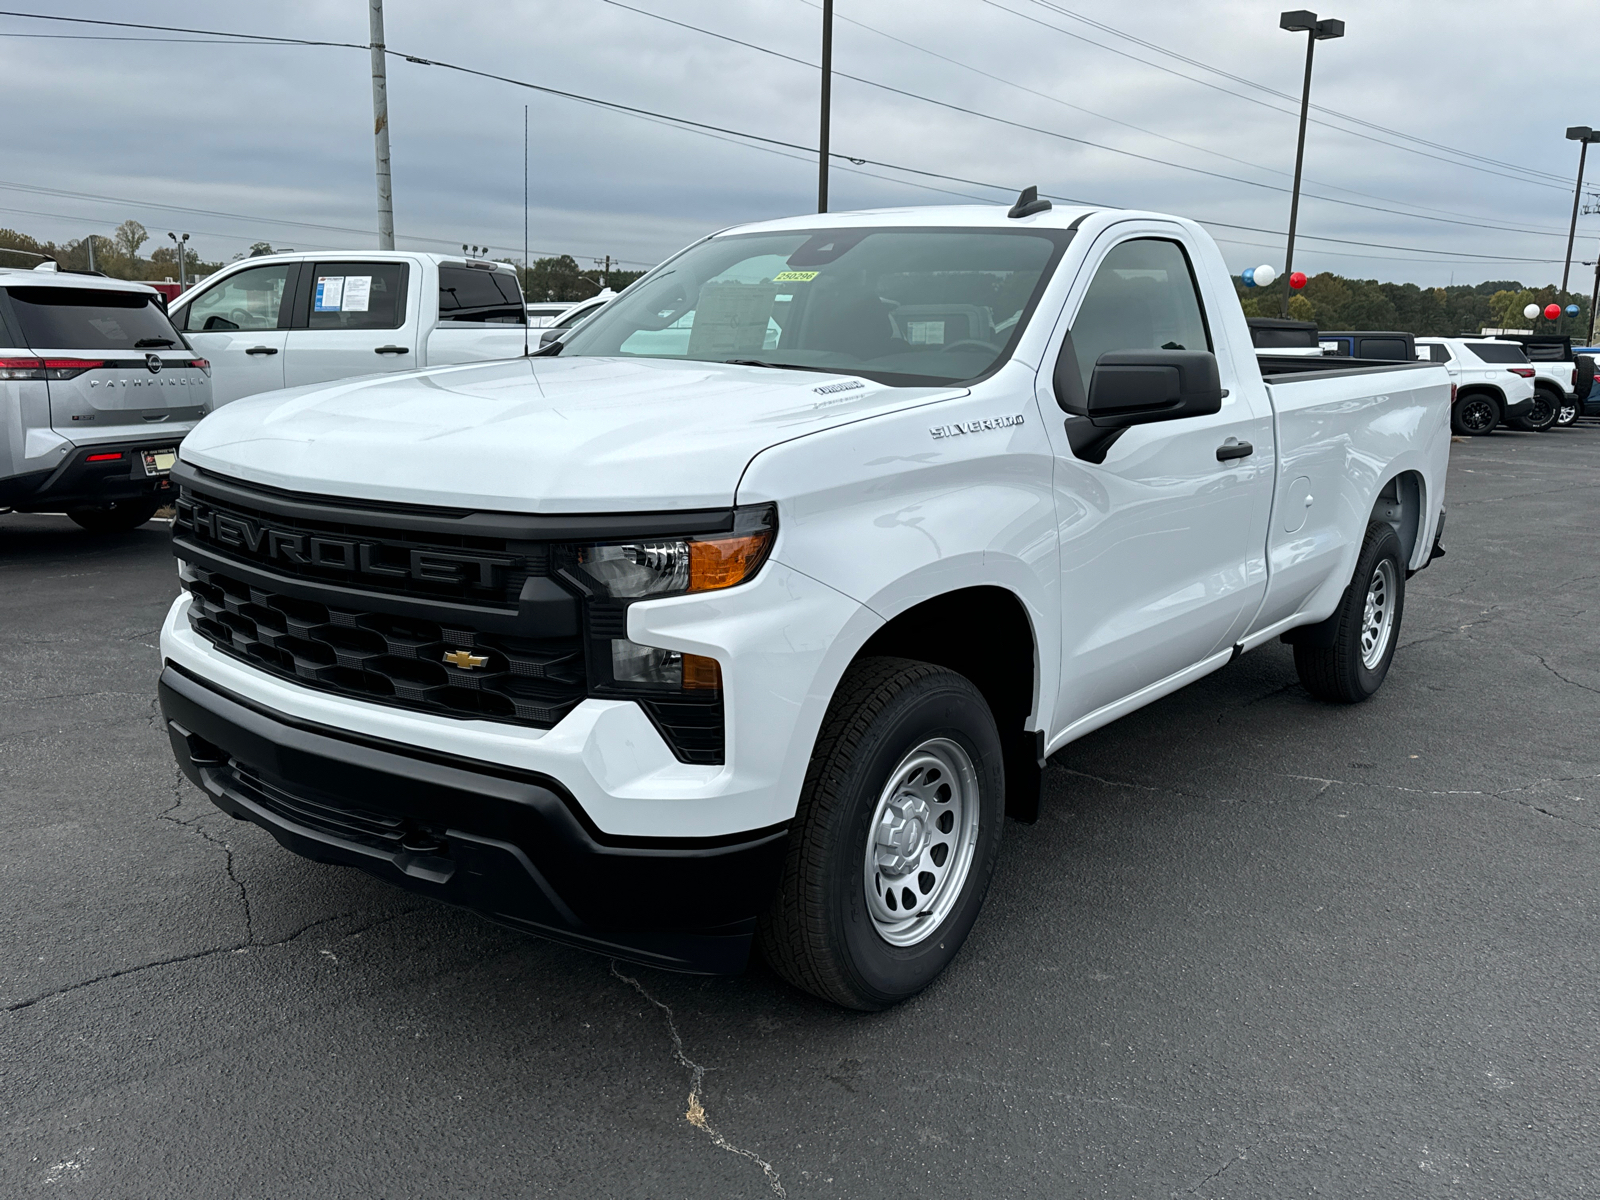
x=275, y=142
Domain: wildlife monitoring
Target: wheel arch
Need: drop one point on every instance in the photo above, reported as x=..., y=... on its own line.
x=985, y=633
x=1402, y=503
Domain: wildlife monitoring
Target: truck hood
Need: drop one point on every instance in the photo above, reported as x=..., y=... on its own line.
x=535, y=435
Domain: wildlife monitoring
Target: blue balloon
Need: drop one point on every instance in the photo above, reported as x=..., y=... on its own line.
x=1249, y=276
x=1572, y=310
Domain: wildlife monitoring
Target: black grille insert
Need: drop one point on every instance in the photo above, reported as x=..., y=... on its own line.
x=387, y=659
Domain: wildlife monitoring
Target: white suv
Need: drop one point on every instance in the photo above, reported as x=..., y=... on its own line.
x=1493, y=381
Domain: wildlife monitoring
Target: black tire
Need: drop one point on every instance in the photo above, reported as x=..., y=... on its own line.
x=1567, y=414
x=119, y=516
x=1345, y=672
x=1541, y=415
x=820, y=933
x=1475, y=414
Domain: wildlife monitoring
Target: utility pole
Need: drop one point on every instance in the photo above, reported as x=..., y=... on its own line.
x=1583, y=135
x=827, y=105
x=1317, y=31
x=380, y=127
x=91, y=251
x=1594, y=298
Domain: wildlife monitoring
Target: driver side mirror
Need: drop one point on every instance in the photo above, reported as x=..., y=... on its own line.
x=546, y=336
x=1133, y=387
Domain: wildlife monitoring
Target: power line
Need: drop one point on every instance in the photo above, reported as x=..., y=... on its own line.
x=1522, y=178
x=1022, y=125
x=1248, y=82
x=253, y=37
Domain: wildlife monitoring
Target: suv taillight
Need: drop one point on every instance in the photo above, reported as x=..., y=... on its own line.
x=46, y=368
x=1525, y=372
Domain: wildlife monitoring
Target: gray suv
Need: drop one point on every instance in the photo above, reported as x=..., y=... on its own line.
x=96, y=391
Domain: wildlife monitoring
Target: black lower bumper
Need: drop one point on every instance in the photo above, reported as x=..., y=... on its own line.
x=80, y=483
x=508, y=844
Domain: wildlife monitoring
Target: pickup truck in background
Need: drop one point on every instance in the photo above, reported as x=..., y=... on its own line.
x=97, y=391
x=1493, y=382
x=745, y=613
x=285, y=320
x=1280, y=336
x=1384, y=345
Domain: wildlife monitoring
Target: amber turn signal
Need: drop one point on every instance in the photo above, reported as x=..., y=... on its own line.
x=701, y=674
x=723, y=562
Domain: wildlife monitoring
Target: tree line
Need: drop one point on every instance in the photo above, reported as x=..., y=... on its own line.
x=119, y=256
x=1335, y=302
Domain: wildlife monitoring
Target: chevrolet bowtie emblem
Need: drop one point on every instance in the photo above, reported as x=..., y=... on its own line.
x=466, y=659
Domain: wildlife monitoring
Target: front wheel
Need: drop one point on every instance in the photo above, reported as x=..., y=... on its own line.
x=895, y=839
x=117, y=517
x=1567, y=414
x=1367, y=625
x=1541, y=414
x=1475, y=414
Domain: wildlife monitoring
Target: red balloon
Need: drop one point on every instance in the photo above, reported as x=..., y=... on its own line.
x=1552, y=311
x=1297, y=279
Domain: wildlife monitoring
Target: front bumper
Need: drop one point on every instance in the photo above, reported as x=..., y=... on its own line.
x=79, y=483
x=510, y=844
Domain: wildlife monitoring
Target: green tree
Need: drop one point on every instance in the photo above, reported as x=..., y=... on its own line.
x=130, y=235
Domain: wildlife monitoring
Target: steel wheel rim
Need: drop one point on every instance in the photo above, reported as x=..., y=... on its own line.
x=1477, y=415
x=1377, y=621
x=921, y=842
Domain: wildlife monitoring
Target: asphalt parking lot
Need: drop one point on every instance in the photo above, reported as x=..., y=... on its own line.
x=1256, y=946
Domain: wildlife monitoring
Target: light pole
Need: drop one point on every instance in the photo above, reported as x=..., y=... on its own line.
x=1300, y=21
x=1583, y=135
x=827, y=105
x=183, y=255
x=380, y=125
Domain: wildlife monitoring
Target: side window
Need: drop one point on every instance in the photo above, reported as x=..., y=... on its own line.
x=357, y=295
x=1438, y=353
x=468, y=295
x=251, y=299
x=1143, y=297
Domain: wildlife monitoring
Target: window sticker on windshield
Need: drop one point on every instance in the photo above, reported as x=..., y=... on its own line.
x=731, y=318
x=357, y=292
x=330, y=291
x=794, y=276
x=925, y=333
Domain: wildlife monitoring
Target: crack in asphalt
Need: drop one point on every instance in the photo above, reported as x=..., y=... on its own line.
x=1562, y=677
x=695, y=1114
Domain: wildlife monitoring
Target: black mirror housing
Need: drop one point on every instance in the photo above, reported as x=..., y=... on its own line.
x=1133, y=387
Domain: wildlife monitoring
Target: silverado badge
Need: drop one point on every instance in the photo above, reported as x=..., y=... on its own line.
x=466, y=659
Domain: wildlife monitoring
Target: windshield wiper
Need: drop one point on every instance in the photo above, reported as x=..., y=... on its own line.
x=774, y=366
x=143, y=342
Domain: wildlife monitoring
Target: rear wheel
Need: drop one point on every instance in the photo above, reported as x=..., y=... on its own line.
x=1367, y=625
x=1474, y=414
x=895, y=838
x=1567, y=414
x=117, y=517
x=1541, y=415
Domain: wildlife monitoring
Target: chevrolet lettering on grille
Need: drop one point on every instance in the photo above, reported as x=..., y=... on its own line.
x=358, y=556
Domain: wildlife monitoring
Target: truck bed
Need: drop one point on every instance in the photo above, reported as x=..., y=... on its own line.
x=1287, y=368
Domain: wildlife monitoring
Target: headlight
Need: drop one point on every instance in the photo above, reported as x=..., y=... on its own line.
x=643, y=569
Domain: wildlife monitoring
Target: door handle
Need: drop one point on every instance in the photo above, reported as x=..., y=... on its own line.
x=392, y=350
x=1232, y=449
x=262, y=350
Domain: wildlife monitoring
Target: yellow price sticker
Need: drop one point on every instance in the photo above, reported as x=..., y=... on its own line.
x=794, y=276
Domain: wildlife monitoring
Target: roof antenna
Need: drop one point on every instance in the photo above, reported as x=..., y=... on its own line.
x=1029, y=203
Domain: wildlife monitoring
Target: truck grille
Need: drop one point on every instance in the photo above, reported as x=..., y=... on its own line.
x=389, y=659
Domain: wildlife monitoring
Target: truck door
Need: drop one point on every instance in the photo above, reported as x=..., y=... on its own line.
x=240, y=323
x=352, y=318
x=1162, y=544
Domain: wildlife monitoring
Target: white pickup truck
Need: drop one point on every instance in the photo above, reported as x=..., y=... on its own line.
x=746, y=613
x=282, y=320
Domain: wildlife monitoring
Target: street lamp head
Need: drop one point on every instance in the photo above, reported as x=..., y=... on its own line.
x=1329, y=29
x=1579, y=133
x=1298, y=21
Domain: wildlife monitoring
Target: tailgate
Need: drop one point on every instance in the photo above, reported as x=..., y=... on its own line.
x=99, y=395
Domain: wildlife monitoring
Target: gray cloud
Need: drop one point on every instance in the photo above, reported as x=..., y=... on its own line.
x=280, y=134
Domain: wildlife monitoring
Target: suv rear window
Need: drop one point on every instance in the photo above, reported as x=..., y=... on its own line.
x=62, y=318
x=469, y=294
x=1498, y=352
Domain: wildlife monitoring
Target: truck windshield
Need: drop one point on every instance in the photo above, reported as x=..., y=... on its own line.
x=65, y=318
x=904, y=307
